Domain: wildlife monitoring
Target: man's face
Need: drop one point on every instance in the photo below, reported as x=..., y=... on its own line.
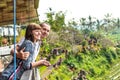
x=45, y=31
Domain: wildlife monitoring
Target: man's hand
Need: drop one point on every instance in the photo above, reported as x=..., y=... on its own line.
x=23, y=55
x=40, y=63
x=45, y=62
x=20, y=54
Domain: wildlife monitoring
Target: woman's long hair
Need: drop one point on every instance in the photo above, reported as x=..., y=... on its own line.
x=29, y=29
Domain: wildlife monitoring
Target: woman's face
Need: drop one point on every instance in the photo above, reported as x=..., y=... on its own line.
x=36, y=34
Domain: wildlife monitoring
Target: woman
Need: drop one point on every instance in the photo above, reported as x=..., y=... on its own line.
x=32, y=35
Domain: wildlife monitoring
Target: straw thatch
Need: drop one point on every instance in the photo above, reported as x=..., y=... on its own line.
x=26, y=11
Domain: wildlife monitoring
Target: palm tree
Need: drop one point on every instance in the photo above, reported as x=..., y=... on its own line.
x=109, y=22
x=83, y=23
x=90, y=23
x=99, y=24
x=118, y=23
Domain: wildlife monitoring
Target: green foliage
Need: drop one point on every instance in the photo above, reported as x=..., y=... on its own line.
x=114, y=37
x=21, y=35
x=105, y=42
x=84, y=43
x=56, y=20
x=45, y=48
x=86, y=31
x=118, y=51
x=96, y=60
x=79, y=58
x=118, y=46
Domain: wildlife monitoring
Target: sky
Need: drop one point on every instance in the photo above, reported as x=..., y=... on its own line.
x=80, y=8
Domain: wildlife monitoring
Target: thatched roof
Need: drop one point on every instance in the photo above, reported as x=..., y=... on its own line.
x=26, y=11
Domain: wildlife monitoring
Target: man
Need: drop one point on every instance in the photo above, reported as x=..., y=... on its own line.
x=45, y=29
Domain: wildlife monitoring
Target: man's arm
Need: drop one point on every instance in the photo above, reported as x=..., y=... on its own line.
x=40, y=62
x=20, y=54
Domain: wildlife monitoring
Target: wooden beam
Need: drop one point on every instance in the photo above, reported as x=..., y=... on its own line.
x=36, y=4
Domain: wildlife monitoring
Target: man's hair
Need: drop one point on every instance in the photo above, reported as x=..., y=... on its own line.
x=29, y=29
x=44, y=24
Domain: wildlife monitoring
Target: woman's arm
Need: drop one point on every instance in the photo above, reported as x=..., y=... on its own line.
x=28, y=64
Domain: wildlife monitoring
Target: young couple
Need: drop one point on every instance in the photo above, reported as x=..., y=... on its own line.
x=27, y=51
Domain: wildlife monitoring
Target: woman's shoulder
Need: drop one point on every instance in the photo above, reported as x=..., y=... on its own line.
x=28, y=42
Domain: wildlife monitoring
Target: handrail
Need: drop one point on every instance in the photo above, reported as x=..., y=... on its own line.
x=31, y=75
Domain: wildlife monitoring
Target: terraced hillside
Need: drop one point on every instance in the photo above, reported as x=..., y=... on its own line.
x=115, y=72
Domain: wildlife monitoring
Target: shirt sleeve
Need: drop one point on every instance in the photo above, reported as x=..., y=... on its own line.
x=29, y=47
x=21, y=41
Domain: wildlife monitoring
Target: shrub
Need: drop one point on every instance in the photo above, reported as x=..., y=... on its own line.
x=118, y=51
